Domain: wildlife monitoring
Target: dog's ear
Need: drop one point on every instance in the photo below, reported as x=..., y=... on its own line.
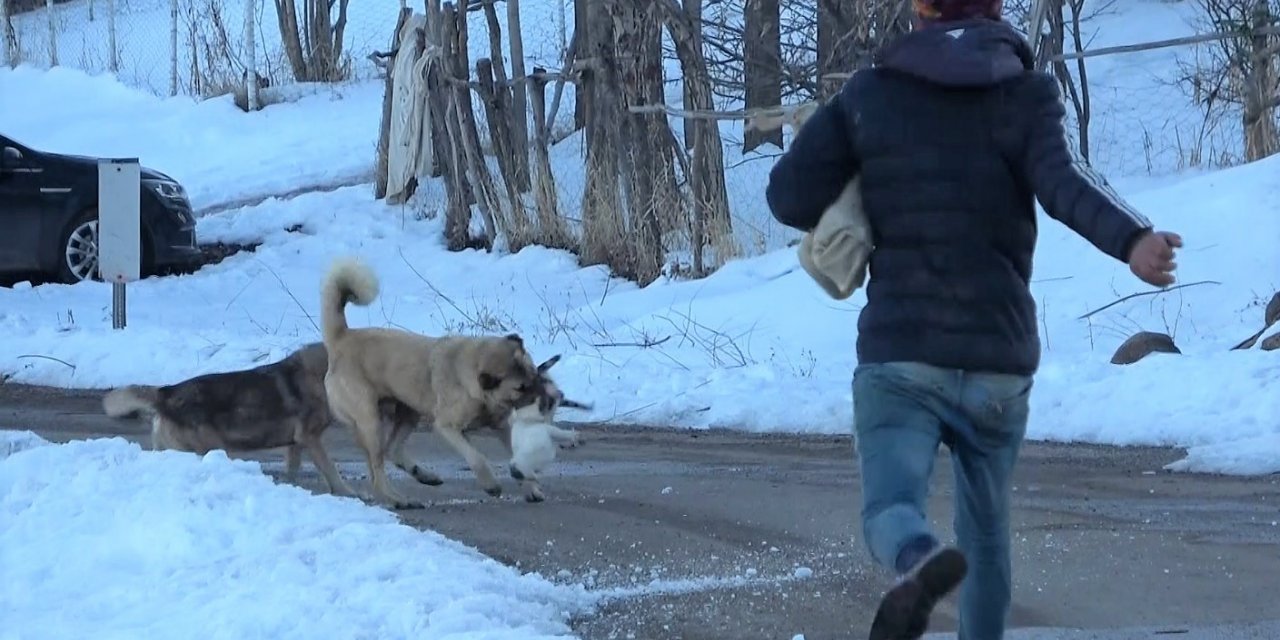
x=542, y=368
x=489, y=382
x=515, y=337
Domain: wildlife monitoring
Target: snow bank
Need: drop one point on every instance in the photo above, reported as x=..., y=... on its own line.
x=101, y=539
x=217, y=151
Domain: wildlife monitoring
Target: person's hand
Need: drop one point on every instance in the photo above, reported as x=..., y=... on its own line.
x=1151, y=258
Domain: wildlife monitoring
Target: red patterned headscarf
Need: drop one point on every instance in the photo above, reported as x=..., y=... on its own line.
x=952, y=10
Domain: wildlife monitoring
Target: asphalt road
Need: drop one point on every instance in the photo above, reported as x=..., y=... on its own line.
x=718, y=535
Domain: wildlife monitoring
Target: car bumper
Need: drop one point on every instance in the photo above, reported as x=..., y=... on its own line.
x=175, y=244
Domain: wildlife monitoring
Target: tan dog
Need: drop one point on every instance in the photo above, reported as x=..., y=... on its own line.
x=457, y=383
x=280, y=404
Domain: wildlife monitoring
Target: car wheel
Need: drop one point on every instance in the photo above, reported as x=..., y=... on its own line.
x=78, y=249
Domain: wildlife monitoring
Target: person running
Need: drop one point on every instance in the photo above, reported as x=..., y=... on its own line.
x=954, y=136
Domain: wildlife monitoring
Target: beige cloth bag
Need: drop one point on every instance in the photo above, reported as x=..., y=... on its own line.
x=835, y=253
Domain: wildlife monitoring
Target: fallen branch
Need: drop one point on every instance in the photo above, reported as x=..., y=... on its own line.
x=643, y=345
x=707, y=114
x=72, y=366
x=1146, y=293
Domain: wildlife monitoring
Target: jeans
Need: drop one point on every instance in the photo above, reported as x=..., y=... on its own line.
x=902, y=412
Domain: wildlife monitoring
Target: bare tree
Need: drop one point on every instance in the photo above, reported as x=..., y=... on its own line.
x=12, y=54
x=722, y=37
x=314, y=50
x=1239, y=73
x=1065, y=18
x=817, y=39
x=850, y=32
x=762, y=59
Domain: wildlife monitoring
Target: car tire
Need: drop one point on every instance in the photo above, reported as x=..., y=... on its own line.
x=78, y=250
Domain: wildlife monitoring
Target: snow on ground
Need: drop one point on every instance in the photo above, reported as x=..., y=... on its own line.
x=173, y=545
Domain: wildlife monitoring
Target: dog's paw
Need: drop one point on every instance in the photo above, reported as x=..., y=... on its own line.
x=426, y=477
x=495, y=490
x=534, y=494
x=515, y=472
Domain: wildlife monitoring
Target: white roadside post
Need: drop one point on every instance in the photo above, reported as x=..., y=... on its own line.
x=119, y=229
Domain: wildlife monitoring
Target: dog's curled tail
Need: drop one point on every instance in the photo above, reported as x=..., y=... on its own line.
x=349, y=280
x=129, y=400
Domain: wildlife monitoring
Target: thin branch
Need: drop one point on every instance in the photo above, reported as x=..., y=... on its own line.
x=643, y=345
x=73, y=367
x=291, y=296
x=1162, y=44
x=707, y=114
x=1146, y=293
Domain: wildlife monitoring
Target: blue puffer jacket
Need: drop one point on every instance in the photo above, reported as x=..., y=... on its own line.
x=955, y=138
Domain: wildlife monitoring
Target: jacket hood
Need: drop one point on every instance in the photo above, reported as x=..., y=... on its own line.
x=966, y=53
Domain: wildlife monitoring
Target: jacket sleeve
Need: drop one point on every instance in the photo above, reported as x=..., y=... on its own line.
x=1072, y=192
x=811, y=174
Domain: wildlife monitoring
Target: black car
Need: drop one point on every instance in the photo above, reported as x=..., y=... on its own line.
x=49, y=216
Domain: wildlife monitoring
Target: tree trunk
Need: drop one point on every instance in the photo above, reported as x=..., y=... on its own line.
x=253, y=101
x=52, y=16
x=602, y=200
x=1261, y=89
x=582, y=39
x=1058, y=26
x=834, y=36
x=10, y=38
x=1084, y=110
x=461, y=72
x=439, y=153
x=337, y=36
x=503, y=89
x=384, y=128
x=320, y=53
x=467, y=137
x=496, y=108
x=290, y=38
x=649, y=175
x=113, y=60
x=710, y=196
x=551, y=227
x=519, y=99
x=444, y=102
x=569, y=64
x=173, y=46
x=762, y=66
x=693, y=11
